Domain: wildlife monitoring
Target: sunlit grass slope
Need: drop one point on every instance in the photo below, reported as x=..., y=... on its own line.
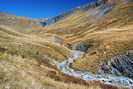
x=27, y=51
x=109, y=34
x=20, y=24
x=25, y=63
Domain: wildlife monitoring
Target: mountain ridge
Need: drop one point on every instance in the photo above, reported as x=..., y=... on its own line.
x=29, y=52
x=74, y=10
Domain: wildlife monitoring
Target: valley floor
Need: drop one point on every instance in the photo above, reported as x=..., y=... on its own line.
x=28, y=51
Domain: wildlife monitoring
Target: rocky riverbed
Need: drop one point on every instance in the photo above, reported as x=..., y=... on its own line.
x=104, y=78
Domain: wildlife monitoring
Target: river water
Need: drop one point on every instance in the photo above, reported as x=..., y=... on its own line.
x=106, y=79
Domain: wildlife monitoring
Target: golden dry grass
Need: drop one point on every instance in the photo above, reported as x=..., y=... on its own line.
x=25, y=64
x=109, y=36
x=116, y=38
x=22, y=73
x=25, y=59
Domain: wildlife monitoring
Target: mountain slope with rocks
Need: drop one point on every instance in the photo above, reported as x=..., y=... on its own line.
x=107, y=29
x=30, y=53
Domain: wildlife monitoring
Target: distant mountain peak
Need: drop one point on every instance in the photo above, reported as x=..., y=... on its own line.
x=74, y=10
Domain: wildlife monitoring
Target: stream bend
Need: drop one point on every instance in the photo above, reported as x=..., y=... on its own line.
x=106, y=79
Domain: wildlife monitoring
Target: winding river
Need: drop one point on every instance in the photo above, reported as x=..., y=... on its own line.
x=106, y=79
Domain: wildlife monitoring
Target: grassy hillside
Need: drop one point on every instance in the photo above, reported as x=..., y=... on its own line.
x=27, y=51
x=20, y=24
x=26, y=62
x=114, y=38
x=109, y=34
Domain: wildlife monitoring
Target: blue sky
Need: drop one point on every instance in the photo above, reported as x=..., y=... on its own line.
x=39, y=8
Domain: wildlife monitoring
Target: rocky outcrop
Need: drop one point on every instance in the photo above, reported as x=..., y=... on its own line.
x=121, y=65
x=81, y=47
x=106, y=79
x=74, y=10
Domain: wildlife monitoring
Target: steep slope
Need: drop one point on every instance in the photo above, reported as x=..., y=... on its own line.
x=115, y=37
x=26, y=61
x=106, y=29
x=102, y=30
x=80, y=9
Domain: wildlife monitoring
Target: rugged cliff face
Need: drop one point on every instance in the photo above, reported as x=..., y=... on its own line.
x=74, y=10
x=121, y=65
x=99, y=3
